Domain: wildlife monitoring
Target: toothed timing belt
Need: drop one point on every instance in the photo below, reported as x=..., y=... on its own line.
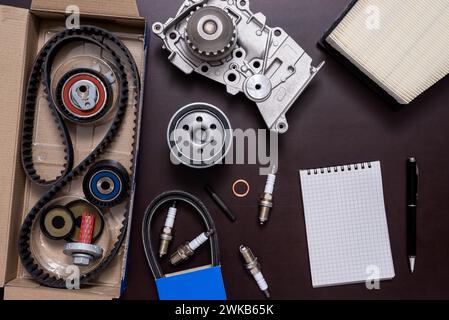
x=41, y=73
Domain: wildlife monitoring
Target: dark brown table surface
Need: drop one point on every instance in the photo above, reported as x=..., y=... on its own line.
x=338, y=120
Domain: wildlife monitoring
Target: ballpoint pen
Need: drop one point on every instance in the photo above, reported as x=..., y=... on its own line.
x=412, y=200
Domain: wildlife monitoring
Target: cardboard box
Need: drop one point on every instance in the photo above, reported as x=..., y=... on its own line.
x=22, y=33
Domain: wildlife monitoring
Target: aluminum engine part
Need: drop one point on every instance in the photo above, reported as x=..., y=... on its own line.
x=226, y=42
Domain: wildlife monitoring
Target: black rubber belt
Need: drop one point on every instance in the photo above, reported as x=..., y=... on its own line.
x=41, y=72
x=179, y=197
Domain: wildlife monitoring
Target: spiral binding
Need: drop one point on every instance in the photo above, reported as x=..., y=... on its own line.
x=350, y=167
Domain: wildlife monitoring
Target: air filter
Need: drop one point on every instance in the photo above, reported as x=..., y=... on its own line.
x=401, y=47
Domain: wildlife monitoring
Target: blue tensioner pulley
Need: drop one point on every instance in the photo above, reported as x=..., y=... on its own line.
x=106, y=184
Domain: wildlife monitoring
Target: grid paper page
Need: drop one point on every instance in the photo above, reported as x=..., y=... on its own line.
x=347, y=231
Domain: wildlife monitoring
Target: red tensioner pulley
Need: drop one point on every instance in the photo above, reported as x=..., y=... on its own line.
x=83, y=96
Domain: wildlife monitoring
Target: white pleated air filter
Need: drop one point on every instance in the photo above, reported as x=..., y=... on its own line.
x=401, y=45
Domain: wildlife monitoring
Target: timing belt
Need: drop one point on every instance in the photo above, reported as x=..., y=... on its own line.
x=41, y=74
x=179, y=197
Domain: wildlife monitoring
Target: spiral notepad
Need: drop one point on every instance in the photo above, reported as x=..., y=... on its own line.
x=347, y=230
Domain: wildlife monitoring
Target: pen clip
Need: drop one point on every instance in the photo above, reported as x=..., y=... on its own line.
x=417, y=181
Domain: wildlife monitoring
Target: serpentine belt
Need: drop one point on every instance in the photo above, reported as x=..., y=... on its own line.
x=179, y=197
x=41, y=72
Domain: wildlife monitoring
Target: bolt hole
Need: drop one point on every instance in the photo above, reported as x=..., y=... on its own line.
x=232, y=77
x=243, y=3
x=105, y=185
x=199, y=119
x=277, y=33
x=58, y=222
x=256, y=64
x=173, y=35
x=186, y=128
x=204, y=69
x=258, y=86
x=213, y=126
x=83, y=89
x=238, y=54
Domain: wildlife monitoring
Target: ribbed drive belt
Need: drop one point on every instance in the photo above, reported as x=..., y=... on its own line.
x=125, y=68
x=168, y=198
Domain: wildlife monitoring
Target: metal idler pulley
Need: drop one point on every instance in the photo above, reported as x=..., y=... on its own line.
x=199, y=135
x=258, y=87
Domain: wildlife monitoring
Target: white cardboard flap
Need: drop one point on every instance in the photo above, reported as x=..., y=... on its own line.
x=114, y=8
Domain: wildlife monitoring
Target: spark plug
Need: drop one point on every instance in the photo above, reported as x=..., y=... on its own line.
x=253, y=266
x=266, y=200
x=167, y=230
x=185, y=251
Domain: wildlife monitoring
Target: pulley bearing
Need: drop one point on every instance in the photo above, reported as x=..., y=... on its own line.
x=199, y=135
x=83, y=96
x=210, y=33
x=106, y=184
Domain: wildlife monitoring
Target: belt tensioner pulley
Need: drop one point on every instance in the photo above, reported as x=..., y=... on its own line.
x=81, y=91
x=83, y=95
